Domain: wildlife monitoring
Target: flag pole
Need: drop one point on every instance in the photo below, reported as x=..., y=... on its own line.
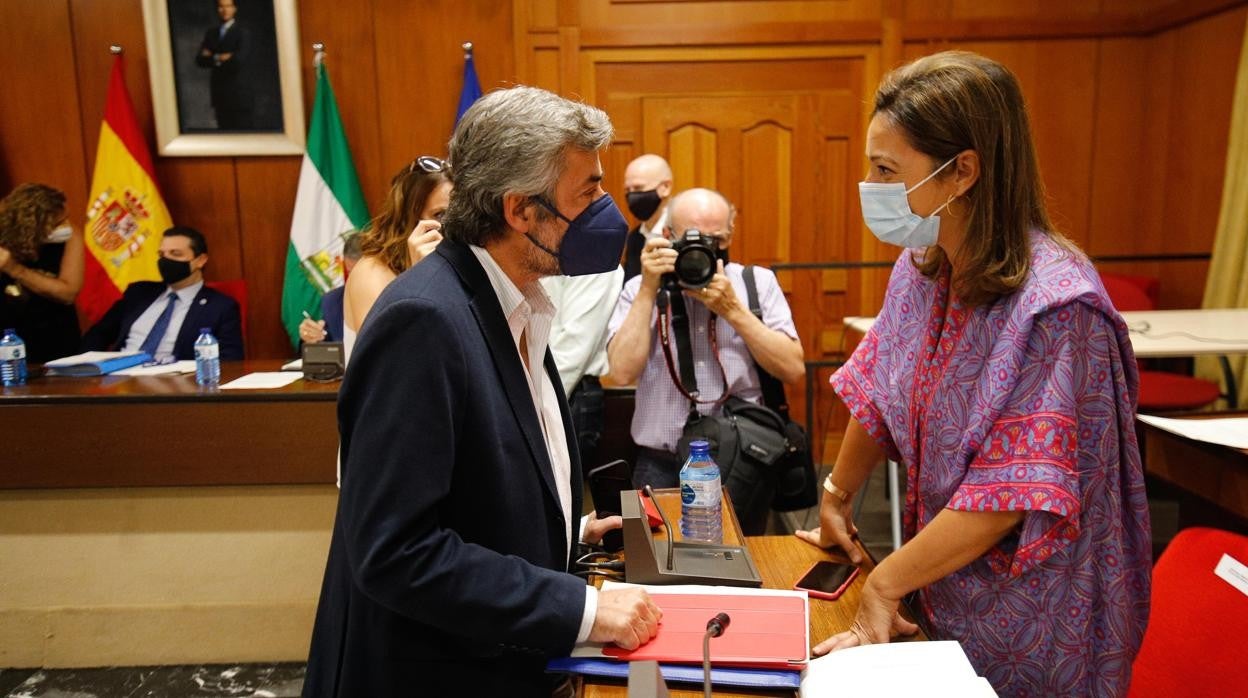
x=116, y=49
x=467, y=49
x=318, y=54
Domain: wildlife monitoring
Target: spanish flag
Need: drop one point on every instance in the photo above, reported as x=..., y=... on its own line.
x=126, y=214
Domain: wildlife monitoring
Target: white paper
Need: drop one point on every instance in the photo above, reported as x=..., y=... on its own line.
x=187, y=366
x=895, y=669
x=1234, y=572
x=89, y=357
x=296, y=365
x=1232, y=432
x=263, y=381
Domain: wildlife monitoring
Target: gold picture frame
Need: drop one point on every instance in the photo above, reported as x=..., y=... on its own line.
x=197, y=105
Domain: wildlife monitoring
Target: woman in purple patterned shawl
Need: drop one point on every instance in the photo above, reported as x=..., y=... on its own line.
x=1000, y=374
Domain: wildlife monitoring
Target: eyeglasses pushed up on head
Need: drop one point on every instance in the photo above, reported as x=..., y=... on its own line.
x=429, y=164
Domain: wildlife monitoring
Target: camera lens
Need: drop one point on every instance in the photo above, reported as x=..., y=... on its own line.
x=695, y=266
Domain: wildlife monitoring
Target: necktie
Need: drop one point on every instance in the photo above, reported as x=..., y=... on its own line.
x=158, y=330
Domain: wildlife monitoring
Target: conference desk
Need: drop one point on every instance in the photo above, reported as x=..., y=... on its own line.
x=1212, y=472
x=157, y=431
x=781, y=560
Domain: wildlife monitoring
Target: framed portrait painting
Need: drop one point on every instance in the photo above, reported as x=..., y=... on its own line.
x=225, y=76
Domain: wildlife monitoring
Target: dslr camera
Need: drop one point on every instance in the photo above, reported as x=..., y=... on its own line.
x=695, y=261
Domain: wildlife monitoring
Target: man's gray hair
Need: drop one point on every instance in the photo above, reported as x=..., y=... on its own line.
x=513, y=141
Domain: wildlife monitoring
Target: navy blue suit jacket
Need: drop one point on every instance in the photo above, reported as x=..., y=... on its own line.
x=448, y=564
x=331, y=313
x=210, y=308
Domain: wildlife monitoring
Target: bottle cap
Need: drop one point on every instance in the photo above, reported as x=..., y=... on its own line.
x=700, y=447
x=205, y=330
x=10, y=330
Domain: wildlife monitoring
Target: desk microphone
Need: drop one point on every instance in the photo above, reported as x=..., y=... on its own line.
x=671, y=540
x=714, y=628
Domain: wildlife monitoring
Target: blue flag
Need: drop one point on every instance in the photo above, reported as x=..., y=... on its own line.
x=471, y=90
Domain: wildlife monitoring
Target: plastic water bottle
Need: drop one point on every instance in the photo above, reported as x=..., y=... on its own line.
x=12, y=359
x=701, y=497
x=207, y=358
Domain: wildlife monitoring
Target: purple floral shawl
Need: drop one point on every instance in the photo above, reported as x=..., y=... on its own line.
x=1027, y=404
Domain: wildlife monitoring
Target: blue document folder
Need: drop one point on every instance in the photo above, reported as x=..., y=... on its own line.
x=682, y=673
x=95, y=363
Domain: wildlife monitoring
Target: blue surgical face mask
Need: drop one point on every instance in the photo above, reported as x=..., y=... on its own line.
x=594, y=239
x=886, y=210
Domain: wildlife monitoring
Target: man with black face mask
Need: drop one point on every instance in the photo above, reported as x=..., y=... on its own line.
x=163, y=318
x=648, y=184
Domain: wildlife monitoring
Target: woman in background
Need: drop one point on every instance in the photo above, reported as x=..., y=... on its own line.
x=999, y=372
x=41, y=258
x=405, y=232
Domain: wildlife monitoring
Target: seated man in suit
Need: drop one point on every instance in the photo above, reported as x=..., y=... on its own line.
x=163, y=318
x=458, y=518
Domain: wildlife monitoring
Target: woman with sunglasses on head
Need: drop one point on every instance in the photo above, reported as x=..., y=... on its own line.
x=1000, y=374
x=405, y=232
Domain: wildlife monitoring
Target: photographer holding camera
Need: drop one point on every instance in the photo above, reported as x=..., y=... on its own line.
x=689, y=264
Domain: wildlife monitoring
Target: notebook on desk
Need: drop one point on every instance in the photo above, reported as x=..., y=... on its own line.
x=768, y=628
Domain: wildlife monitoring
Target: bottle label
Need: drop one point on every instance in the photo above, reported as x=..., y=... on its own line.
x=207, y=351
x=700, y=493
x=12, y=352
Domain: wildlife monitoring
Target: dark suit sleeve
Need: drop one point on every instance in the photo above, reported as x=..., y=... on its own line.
x=229, y=331
x=207, y=44
x=402, y=422
x=105, y=334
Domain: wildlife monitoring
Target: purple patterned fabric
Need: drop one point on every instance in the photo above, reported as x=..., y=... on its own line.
x=1027, y=404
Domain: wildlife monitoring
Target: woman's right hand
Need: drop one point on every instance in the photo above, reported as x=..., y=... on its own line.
x=423, y=241
x=836, y=527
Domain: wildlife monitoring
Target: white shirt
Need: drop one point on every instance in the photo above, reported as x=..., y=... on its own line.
x=144, y=324
x=578, y=337
x=530, y=312
x=657, y=230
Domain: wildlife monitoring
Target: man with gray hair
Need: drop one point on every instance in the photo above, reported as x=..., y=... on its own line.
x=457, y=521
x=725, y=340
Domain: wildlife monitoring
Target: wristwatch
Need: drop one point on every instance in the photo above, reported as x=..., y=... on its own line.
x=836, y=491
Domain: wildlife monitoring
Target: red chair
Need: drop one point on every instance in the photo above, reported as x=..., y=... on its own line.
x=1159, y=390
x=1190, y=647
x=236, y=289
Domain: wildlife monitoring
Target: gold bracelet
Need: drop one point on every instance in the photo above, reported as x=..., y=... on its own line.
x=836, y=491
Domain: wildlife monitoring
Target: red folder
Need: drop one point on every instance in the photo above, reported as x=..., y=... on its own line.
x=766, y=632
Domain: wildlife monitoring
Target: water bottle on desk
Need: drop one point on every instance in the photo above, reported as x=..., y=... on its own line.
x=12, y=359
x=207, y=358
x=701, y=497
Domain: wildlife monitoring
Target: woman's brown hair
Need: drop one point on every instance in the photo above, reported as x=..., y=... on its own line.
x=955, y=101
x=386, y=236
x=27, y=215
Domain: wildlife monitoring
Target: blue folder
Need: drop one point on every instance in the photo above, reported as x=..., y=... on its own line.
x=69, y=367
x=682, y=673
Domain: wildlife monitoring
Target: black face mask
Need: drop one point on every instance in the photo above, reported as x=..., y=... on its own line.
x=172, y=271
x=643, y=204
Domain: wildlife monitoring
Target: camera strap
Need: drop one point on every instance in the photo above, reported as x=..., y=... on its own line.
x=772, y=388
x=672, y=314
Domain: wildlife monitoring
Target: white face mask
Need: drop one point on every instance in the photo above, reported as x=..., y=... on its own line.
x=886, y=210
x=60, y=234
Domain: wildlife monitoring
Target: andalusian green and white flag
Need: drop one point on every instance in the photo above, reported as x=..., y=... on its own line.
x=328, y=206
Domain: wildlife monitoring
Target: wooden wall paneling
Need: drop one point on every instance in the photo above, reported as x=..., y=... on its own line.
x=40, y=124
x=683, y=15
x=266, y=191
x=1206, y=60
x=346, y=29
x=1118, y=220
x=203, y=193
x=569, y=64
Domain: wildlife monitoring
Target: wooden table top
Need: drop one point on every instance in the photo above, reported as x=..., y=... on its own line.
x=169, y=388
x=781, y=561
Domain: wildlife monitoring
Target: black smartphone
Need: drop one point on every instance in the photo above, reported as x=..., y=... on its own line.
x=827, y=579
x=605, y=484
